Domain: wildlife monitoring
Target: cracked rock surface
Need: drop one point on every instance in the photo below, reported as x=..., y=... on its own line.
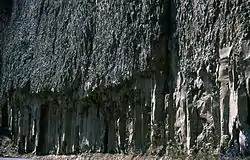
x=137, y=76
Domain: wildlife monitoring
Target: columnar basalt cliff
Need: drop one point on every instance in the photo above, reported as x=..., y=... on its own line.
x=125, y=76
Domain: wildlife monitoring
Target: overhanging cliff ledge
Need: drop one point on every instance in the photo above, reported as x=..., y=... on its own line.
x=125, y=76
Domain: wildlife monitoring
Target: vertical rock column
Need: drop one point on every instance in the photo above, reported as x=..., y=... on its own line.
x=68, y=130
x=138, y=135
x=53, y=124
x=160, y=70
x=170, y=117
x=112, y=123
x=223, y=78
x=147, y=112
x=246, y=60
x=35, y=123
x=1, y=115
x=31, y=137
x=77, y=128
x=122, y=123
x=74, y=130
x=5, y=116
x=112, y=135
x=158, y=138
x=9, y=114
x=14, y=127
x=90, y=126
x=235, y=91
x=84, y=143
x=180, y=104
x=61, y=139
x=130, y=126
x=23, y=128
x=193, y=105
x=42, y=147
x=58, y=141
x=81, y=125
x=28, y=130
x=191, y=120
x=93, y=131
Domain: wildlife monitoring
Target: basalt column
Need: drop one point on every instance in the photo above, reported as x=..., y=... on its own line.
x=158, y=97
x=14, y=127
x=35, y=107
x=42, y=147
x=191, y=120
x=53, y=125
x=224, y=92
x=147, y=112
x=84, y=143
x=235, y=90
x=130, y=126
x=68, y=130
x=4, y=115
x=246, y=60
x=122, y=123
x=180, y=104
x=137, y=102
x=170, y=114
x=112, y=143
x=77, y=129
x=23, y=128
x=143, y=98
x=94, y=128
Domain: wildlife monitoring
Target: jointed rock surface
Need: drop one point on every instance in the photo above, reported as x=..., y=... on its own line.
x=138, y=76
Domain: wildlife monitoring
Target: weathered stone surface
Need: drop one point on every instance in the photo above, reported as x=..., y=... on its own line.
x=125, y=76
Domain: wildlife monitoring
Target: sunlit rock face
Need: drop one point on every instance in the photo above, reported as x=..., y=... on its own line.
x=213, y=44
x=125, y=76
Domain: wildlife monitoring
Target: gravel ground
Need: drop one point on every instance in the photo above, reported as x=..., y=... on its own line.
x=97, y=157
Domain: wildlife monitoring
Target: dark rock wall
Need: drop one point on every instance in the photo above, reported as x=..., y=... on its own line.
x=214, y=50
x=125, y=76
x=76, y=44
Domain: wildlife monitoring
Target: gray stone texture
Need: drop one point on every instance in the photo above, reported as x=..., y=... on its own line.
x=122, y=76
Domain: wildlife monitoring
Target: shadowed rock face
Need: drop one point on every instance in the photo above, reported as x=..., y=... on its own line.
x=125, y=76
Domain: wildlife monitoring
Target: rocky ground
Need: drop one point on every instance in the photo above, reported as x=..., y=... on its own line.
x=9, y=150
x=6, y=148
x=137, y=157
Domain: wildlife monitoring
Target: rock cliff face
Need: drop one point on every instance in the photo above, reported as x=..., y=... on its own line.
x=125, y=76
